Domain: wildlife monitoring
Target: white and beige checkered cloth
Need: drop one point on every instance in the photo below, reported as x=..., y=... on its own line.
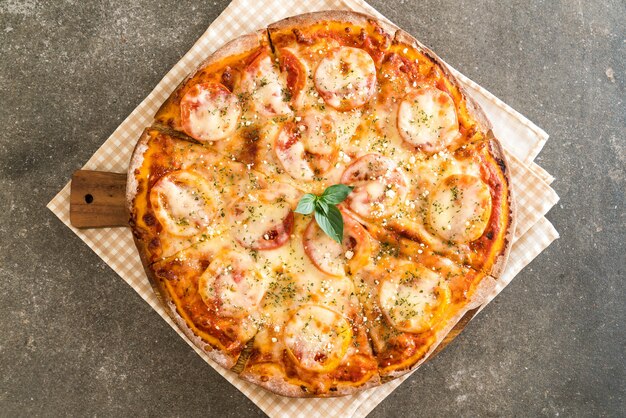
x=522, y=141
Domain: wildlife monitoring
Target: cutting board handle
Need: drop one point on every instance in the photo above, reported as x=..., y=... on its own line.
x=98, y=199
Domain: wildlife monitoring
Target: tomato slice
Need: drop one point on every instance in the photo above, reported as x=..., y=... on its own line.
x=331, y=257
x=183, y=202
x=378, y=186
x=427, y=119
x=209, y=112
x=263, y=219
x=231, y=286
x=267, y=87
x=346, y=78
x=307, y=147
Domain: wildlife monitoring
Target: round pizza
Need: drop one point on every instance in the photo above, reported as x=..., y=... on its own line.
x=319, y=203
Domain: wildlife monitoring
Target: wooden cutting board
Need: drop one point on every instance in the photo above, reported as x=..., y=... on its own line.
x=98, y=200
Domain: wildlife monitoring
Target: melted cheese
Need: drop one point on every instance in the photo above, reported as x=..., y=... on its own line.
x=327, y=254
x=460, y=208
x=263, y=219
x=346, y=78
x=333, y=258
x=292, y=153
x=231, y=285
x=297, y=73
x=317, y=338
x=209, y=112
x=413, y=298
x=183, y=203
x=427, y=119
x=318, y=133
x=378, y=186
x=267, y=86
x=307, y=147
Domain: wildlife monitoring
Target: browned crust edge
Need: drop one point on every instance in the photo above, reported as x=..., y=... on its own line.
x=170, y=307
x=136, y=161
x=235, y=46
x=313, y=18
x=481, y=293
x=497, y=152
x=277, y=384
x=166, y=301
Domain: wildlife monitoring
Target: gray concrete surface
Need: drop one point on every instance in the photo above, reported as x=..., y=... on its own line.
x=75, y=340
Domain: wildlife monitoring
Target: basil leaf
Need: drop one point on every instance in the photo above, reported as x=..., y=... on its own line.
x=306, y=205
x=321, y=206
x=331, y=223
x=336, y=194
x=327, y=216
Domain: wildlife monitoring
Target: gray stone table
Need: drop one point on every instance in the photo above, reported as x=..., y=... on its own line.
x=75, y=340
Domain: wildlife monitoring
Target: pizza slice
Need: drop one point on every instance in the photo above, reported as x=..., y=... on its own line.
x=200, y=221
x=180, y=193
x=314, y=341
x=411, y=303
x=452, y=205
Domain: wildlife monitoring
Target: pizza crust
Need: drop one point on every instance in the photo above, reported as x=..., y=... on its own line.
x=479, y=297
x=277, y=383
x=236, y=46
x=314, y=18
x=136, y=160
x=170, y=307
x=497, y=152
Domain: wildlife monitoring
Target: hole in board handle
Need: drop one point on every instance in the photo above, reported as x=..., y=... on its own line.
x=88, y=198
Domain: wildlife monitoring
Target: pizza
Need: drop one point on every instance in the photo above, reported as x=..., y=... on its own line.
x=314, y=101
